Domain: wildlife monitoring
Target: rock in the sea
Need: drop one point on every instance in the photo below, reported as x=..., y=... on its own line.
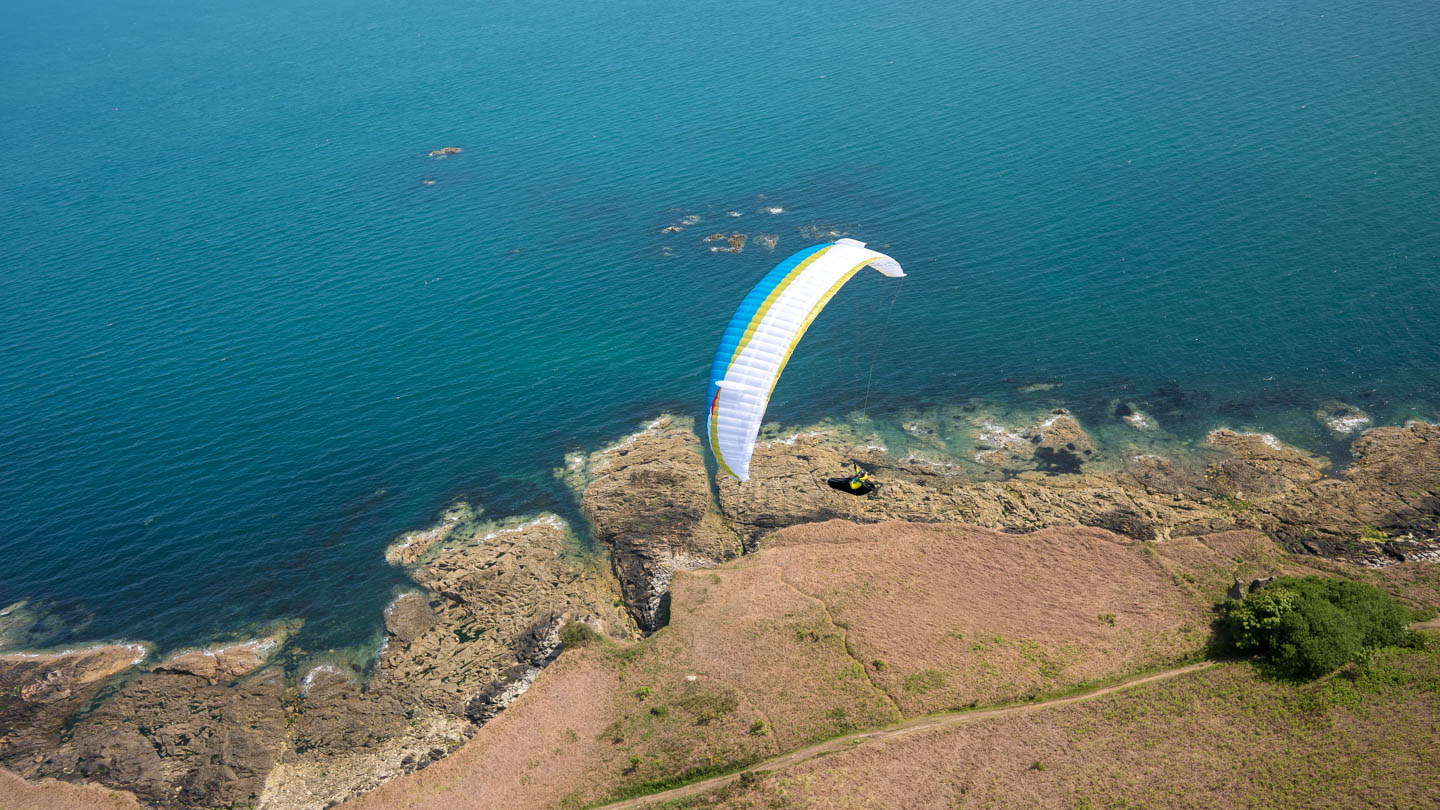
x=445, y=152
x=734, y=244
x=411, y=546
x=1135, y=417
x=1341, y=419
x=227, y=662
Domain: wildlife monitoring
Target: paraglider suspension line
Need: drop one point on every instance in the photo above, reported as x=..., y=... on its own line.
x=884, y=330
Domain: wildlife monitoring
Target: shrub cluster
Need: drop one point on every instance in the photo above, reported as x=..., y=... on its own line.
x=579, y=634
x=1312, y=626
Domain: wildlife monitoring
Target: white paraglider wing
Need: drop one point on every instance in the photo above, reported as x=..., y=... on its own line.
x=762, y=334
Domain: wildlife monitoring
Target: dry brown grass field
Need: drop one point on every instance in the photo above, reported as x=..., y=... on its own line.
x=948, y=616
x=17, y=794
x=1220, y=738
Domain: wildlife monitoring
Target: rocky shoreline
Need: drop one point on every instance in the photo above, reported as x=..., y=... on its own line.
x=493, y=602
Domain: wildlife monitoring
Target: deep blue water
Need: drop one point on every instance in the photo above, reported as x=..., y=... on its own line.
x=242, y=345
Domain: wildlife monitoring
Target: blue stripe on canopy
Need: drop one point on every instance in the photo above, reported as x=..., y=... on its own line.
x=735, y=330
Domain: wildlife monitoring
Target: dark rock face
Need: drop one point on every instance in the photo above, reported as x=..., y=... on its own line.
x=1383, y=508
x=1240, y=590
x=648, y=499
x=1126, y=522
x=40, y=693
x=534, y=650
x=178, y=741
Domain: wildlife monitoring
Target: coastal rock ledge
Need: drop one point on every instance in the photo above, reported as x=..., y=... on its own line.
x=252, y=723
x=228, y=725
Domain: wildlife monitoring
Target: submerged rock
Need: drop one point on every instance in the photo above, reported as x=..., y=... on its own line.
x=445, y=152
x=1340, y=418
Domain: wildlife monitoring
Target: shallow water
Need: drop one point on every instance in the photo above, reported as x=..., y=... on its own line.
x=245, y=344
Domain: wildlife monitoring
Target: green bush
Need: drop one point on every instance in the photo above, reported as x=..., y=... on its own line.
x=1312, y=626
x=579, y=634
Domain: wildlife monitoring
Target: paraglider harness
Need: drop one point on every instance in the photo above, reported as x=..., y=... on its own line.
x=857, y=483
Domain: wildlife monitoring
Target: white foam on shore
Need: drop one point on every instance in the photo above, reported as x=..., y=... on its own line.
x=648, y=429
x=789, y=441
x=310, y=677
x=544, y=520
x=1347, y=424
x=141, y=650
x=260, y=645
x=435, y=532
x=390, y=608
x=991, y=433
x=1138, y=421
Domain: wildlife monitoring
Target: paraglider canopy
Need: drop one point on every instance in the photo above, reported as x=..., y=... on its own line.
x=762, y=334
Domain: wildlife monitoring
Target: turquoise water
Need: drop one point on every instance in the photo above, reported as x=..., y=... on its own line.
x=244, y=344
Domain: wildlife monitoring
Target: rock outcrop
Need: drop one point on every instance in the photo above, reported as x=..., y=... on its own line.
x=221, y=726
x=1383, y=508
x=176, y=740
x=490, y=592
x=648, y=499
x=227, y=662
x=411, y=546
x=40, y=692
x=1340, y=418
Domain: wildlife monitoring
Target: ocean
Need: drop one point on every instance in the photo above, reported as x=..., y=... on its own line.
x=250, y=330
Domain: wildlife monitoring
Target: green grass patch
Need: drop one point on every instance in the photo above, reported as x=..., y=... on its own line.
x=923, y=681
